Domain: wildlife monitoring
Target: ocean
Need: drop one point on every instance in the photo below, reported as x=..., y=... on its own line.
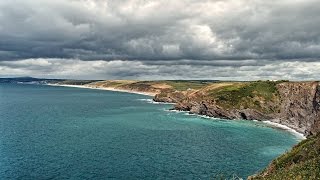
x=71, y=133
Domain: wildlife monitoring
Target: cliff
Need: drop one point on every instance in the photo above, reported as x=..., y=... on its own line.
x=300, y=106
x=294, y=104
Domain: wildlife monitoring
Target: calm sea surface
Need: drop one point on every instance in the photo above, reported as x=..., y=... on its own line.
x=70, y=133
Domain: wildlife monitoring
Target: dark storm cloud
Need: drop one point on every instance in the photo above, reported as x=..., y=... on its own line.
x=174, y=31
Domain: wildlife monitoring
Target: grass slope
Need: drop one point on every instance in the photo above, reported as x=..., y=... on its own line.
x=302, y=162
x=174, y=85
x=186, y=85
x=253, y=95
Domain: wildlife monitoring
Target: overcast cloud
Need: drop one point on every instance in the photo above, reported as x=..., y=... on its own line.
x=160, y=39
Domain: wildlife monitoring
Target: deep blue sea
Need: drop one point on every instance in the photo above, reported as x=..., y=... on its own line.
x=70, y=133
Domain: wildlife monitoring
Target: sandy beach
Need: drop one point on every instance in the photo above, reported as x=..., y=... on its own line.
x=104, y=88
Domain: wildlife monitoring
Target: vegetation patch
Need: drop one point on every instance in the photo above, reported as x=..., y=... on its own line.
x=254, y=95
x=187, y=85
x=302, y=162
x=77, y=82
x=112, y=83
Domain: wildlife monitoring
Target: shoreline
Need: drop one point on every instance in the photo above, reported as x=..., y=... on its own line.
x=105, y=89
x=284, y=127
x=298, y=135
x=294, y=132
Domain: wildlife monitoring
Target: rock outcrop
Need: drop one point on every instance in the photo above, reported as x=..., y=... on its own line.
x=170, y=96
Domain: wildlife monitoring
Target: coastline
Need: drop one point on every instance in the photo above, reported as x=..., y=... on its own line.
x=105, y=89
x=294, y=132
x=284, y=127
x=299, y=135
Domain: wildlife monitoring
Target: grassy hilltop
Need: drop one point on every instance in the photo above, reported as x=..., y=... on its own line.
x=251, y=95
x=153, y=87
x=178, y=85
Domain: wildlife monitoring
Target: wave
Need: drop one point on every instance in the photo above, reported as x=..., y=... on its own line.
x=151, y=101
x=284, y=127
x=273, y=124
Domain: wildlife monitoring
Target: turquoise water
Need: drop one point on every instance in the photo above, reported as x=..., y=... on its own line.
x=71, y=133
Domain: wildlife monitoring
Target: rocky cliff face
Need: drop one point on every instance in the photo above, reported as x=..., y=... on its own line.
x=297, y=105
x=300, y=106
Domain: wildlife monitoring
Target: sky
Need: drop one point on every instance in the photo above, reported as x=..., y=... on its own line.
x=160, y=39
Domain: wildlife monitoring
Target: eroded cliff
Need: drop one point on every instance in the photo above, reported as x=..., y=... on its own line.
x=300, y=106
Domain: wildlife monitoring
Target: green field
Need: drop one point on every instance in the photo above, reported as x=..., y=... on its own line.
x=185, y=85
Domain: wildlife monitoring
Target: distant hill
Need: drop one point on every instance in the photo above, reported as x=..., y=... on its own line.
x=28, y=80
